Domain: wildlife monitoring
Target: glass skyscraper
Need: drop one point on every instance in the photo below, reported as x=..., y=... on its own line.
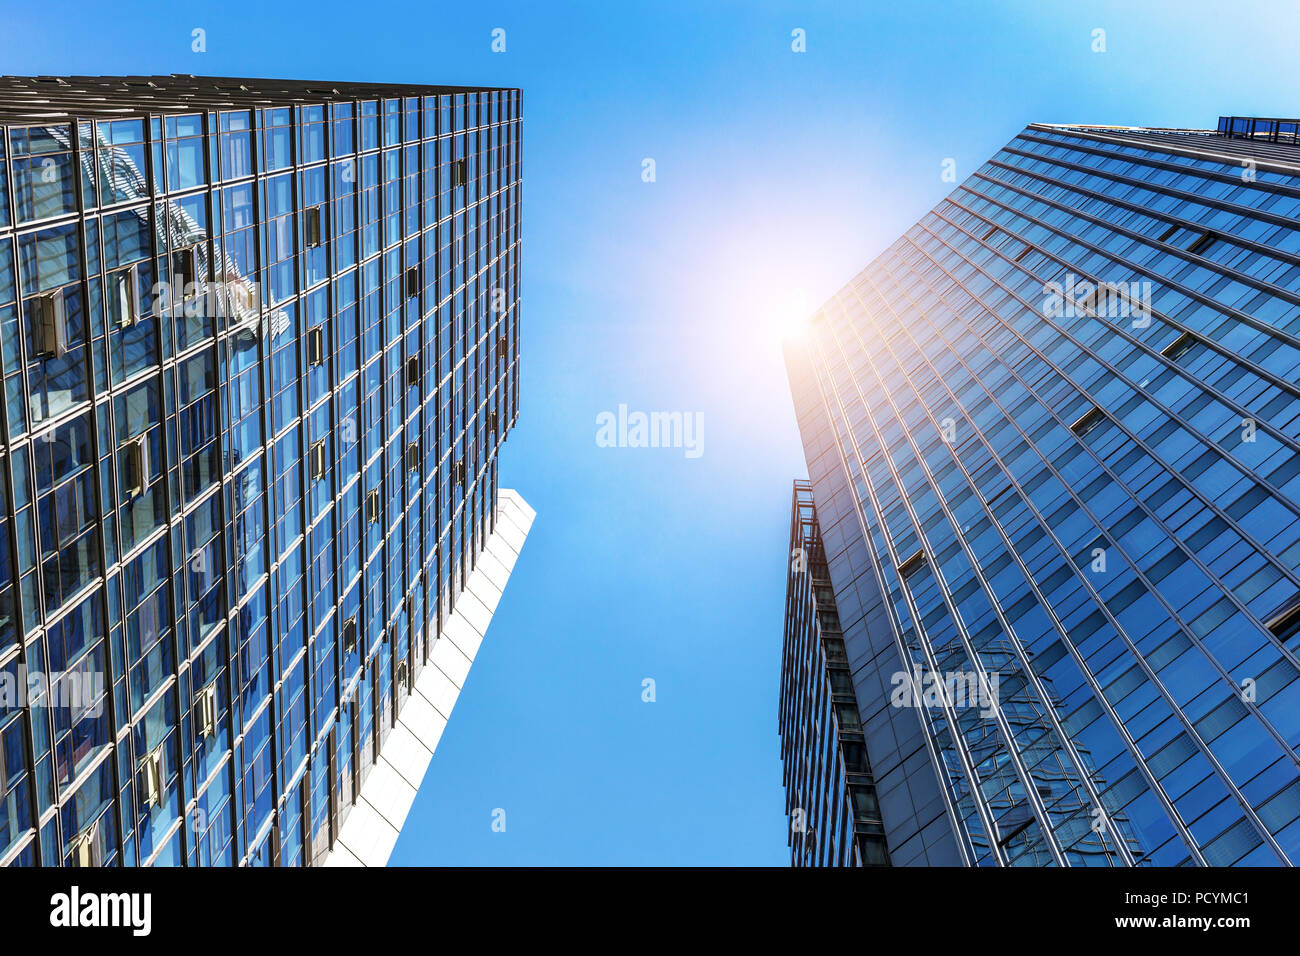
x=260, y=345
x=1052, y=439
x=830, y=796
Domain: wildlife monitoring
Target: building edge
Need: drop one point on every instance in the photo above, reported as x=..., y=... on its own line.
x=370, y=831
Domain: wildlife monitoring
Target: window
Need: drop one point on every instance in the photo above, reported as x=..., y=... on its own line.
x=206, y=711
x=43, y=172
x=316, y=345
x=911, y=563
x=65, y=510
x=1014, y=821
x=137, y=466
x=317, y=460
x=185, y=272
x=459, y=172
x=311, y=227
x=458, y=471
x=124, y=295
x=412, y=282
x=413, y=456
x=1201, y=242
x=349, y=638
x=1284, y=623
x=87, y=849
x=1179, y=345
x=151, y=773
x=1087, y=421
x=372, y=506
x=50, y=334
x=412, y=371
x=1088, y=301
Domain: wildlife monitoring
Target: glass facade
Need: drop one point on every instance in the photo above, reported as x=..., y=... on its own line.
x=259, y=342
x=830, y=796
x=1052, y=433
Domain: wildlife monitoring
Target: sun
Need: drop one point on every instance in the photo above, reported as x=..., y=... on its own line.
x=788, y=313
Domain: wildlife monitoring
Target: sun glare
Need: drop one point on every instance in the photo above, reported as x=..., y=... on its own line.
x=788, y=315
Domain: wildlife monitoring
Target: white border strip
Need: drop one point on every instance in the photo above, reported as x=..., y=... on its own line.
x=370, y=831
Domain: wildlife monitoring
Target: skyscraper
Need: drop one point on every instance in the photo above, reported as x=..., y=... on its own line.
x=260, y=345
x=1052, y=438
x=830, y=795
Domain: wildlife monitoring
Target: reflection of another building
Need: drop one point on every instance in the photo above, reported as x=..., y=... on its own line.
x=189, y=411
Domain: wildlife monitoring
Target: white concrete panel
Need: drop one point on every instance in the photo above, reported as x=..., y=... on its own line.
x=405, y=754
x=512, y=537
x=371, y=828
x=467, y=641
x=493, y=570
x=340, y=856
x=367, y=835
x=478, y=616
x=458, y=630
x=391, y=796
x=437, y=688
x=451, y=660
x=421, y=720
x=481, y=586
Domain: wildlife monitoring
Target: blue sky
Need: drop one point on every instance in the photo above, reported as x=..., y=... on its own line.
x=779, y=175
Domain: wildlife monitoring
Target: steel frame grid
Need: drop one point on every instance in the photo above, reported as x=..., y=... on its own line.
x=820, y=367
x=487, y=467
